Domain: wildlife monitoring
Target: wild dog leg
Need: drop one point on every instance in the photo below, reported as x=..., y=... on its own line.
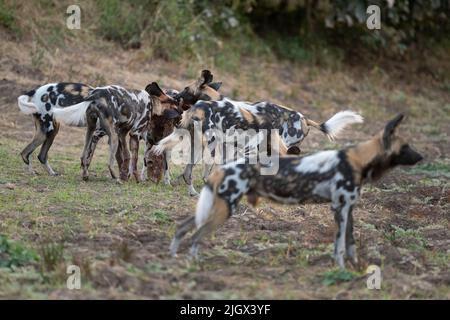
x=186, y=226
x=124, y=167
x=147, y=155
x=349, y=239
x=89, y=144
x=43, y=154
x=134, y=147
x=166, y=167
x=187, y=173
x=38, y=139
x=187, y=176
x=206, y=171
x=341, y=208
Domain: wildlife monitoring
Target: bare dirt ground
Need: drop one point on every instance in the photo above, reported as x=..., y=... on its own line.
x=119, y=234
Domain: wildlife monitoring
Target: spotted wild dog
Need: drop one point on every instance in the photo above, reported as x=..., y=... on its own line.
x=159, y=127
x=326, y=176
x=203, y=88
x=120, y=112
x=224, y=114
x=44, y=104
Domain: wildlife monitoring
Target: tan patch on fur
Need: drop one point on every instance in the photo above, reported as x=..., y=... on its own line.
x=260, y=119
x=216, y=178
x=396, y=144
x=286, y=108
x=84, y=91
x=305, y=126
x=213, y=94
x=362, y=154
x=247, y=115
x=71, y=88
x=312, y=123
x=282, y=149
x=199, y=113
x=220, y=212
x=220, y=209
x=157, y=107
x=253, y=199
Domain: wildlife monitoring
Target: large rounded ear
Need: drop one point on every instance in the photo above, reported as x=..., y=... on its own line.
x=390, y=128
x=205, y=78
x=154, y=90
x=215, y=85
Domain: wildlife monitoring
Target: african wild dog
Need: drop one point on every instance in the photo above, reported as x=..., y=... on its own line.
x=327, y=176
x=226, y=114
x=158, y=128
x=203, y=88
x=120, y=111
x=42, y=104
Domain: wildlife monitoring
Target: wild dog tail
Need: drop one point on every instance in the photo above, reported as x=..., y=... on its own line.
x=210, y=207
x=74, y=115
x=204, y=206
x=25, y=105
x=333, y=126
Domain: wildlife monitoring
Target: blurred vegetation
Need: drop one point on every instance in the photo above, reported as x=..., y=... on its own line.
x=7, y=17
x=322, y=32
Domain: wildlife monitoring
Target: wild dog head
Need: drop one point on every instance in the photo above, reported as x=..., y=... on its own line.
x=385, y=151
x=155, y=167
x=202, y=89
x=162, y=104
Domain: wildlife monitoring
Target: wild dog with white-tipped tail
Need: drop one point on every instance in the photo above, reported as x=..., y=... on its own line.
x=120, y=111
x=226, y=114
x=323, y=177
x=44, y=104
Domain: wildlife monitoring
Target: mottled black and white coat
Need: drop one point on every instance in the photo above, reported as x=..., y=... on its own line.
x=42, y=103
x=326, y=176
x=120, y=111
x=226, y=114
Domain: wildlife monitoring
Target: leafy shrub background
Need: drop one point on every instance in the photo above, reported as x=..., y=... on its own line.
x=322, y=32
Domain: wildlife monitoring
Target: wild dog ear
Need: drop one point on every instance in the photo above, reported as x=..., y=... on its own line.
x=215, y=85
x=390, y=128
x=205, y=77
x=154, y=90
x=170, y=114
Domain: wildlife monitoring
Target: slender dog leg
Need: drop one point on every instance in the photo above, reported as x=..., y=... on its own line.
x=187, y=225
x=43, y=154
x=134, y=147
x=166, y=168
x=147, y=148
x=206, y=171
x=38, y=139
x=341, y=218
x=89, y=148
x=113, y=146
x=187, y=176
x=124, y=167
x=350, y=240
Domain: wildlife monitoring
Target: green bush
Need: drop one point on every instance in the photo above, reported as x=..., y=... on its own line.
x=14, y=254
x=7, y=17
